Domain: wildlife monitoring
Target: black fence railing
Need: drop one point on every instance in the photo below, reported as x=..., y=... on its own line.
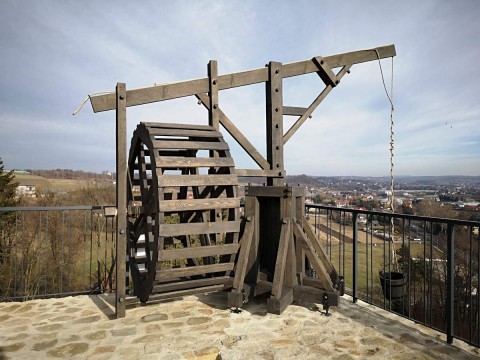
x=56, y=251
x=422, y=268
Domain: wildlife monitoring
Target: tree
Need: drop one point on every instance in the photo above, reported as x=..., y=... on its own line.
x=8, y=187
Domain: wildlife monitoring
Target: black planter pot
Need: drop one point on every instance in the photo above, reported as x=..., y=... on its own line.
x=393, y=285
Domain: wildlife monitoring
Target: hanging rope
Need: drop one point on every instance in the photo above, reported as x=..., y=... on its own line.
x=392, y=147
x=86, y=99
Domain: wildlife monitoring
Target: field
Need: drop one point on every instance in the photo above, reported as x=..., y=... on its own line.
x=55, y=185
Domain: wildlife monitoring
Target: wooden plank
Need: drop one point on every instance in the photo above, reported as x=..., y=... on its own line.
x=185, y=162
x=121, y=198
x=294, y=111
x=213, y=112
x=189, y=284
x=325, y=72
x=184, y=133
x=183, y=126
x=237, y=135
x=196, y=180
x=174, y=273
x=197, y=252
x=314, y=295
x=280, y=265
x=260, y=173
x=318, y=247
x=180, y=293
x=199, y=228
x=274, y=117
x=315, y=262
x=198, y=204
x=313, y=106
x=241, y=266
x=191, y=87
x=268, y=191
x=277, y=306
x=190, y=145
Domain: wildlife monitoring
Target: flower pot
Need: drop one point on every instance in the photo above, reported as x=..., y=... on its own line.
x=393, y=285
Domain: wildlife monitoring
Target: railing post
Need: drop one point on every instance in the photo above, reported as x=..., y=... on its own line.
x=355, y=255
x=450, y=281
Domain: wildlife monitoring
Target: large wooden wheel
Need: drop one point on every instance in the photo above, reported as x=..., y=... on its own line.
x=183, y=210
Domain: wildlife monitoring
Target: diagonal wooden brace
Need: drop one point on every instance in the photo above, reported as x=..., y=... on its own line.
x=325, y=72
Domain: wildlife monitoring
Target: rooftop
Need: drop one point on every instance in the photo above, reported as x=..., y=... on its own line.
x=201, y=327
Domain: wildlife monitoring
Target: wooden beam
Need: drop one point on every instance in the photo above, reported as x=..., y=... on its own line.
x=198, y=204
x=280, y=266
x=188, y=144
x=196, y=180
x=189, y=284
x=213, y=112
x=260, y=173
x=121, y=198
x=174, y=273
x=182, y=162
x=313, y=106
x=274, y=117
x=294, y=111
x=191, y=87
x=199, y=228
x=237, y=135
x=325, y=72
x=197, y=252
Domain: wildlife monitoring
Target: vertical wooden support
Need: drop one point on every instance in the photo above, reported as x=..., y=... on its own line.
x=121, y=169
x=214, y=111
x=274, y=99
x=252, y=209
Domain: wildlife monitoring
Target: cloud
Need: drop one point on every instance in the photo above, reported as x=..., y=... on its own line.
x=54, y=54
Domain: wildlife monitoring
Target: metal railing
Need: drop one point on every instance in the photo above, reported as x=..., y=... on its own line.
x=55, y=251
x=423, y=268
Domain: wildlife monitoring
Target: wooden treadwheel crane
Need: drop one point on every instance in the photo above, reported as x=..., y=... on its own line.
x=178, y=209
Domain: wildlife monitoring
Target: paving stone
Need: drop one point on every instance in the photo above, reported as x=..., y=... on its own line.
x=154, y=317
x=4, y=317
x=68, y=350
x=124, y=332
x=180, y=314
x=51, y=327
x=44, y=345
x=13, y=347
x=198, y=320
x=96, y=335
x=88, y=319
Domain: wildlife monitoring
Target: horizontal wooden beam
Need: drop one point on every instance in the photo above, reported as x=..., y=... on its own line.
x=199, y=228
x=190, y=145
x=187, y=162
x=195, y=180
x=260, y=173
x=191, y=87
x=189, y=284
x=197, y=204
x=197, y=252
x=175, y=273
x=294, y=110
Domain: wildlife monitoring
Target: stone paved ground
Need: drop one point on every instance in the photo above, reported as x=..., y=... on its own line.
x=201, y=327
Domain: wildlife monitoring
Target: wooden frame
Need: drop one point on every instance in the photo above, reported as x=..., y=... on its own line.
x=295, y=240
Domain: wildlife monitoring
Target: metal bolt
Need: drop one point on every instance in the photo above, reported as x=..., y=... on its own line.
x=121, y=299
x=337, y=82
x=278, y=165
x=284, y=221
x=277, y=71
x=214, y=82
x=218, y=215
x=322, y=62
x=122, y=231
x=309, y=116
x=277, y=147
x=277, y=90
x=348, y=71
x=215, y=106
x=122, y=97
x=199, y=102
x=279, y=173
x=276, y=109
x=277, y=126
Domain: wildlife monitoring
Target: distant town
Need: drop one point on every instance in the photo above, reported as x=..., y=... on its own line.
x=449, y=196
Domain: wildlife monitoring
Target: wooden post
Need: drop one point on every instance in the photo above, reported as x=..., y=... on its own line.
x=274, y=98
x=214, y=111
x=121, y=198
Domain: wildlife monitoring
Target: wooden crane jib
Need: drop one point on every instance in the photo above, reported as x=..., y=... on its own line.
x=178, y=226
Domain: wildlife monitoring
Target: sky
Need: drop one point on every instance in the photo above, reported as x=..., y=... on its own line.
x=55, y=53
